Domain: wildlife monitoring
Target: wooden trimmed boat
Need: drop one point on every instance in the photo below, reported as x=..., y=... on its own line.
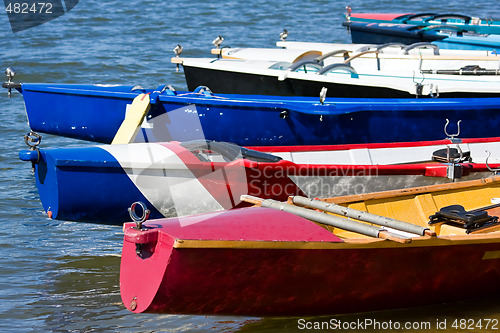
x=236, y=262
x=390, y=70
x=96, y=113
x=98, y=184
x=430, y=55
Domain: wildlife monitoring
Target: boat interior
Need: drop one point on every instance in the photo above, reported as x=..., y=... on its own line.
x=454, y=211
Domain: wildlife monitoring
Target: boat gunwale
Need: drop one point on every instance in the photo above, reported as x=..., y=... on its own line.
x=413, y=190
x=347, y=244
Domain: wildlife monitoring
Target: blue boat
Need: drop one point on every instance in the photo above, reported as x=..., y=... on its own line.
x=444, y=36
x=96, y=113
x=99, y=183
x=460, y=21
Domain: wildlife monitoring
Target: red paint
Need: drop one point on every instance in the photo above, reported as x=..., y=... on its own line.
x=294, y=282
x=367, y=145
x=142, y=278
x=378, y=16
x=223, y=180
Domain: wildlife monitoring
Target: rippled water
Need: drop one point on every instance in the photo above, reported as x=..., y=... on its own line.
x=64, y=276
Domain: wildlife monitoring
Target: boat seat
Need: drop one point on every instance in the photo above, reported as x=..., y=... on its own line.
x=456, y=215
x=441, y=155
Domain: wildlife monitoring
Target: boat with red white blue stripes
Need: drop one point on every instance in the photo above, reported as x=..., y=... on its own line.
x=99, y=183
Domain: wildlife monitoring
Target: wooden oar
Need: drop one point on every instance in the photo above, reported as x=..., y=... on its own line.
x=323, y=218
x=133, y=120
x=362, y=216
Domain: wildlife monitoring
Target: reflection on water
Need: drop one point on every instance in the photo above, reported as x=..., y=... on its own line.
x=437, y=318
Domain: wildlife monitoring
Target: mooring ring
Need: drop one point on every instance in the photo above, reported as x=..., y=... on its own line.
x=139, y=219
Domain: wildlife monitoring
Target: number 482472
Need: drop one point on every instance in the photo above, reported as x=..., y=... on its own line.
x=471, y=324
x=25, y=8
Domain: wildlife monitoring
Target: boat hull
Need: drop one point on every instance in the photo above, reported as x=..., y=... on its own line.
x=99, y=184
x=232, y=82
x=428, y=19
x=381, y=33
x=96, y=113
x=298, y=278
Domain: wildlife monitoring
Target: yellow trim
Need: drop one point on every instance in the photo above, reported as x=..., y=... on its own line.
x=491, y=255
x=176, y=60
x=308, y=55
x=372, y=243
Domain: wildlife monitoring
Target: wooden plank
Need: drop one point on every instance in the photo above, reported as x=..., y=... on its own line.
x=133, y=120
x=177, y=60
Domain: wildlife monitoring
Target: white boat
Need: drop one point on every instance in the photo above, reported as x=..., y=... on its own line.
x=369, y=76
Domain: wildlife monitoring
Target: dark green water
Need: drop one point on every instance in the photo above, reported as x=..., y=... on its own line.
x=64, y=276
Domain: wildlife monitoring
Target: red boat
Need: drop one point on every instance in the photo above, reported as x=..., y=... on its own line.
x=272, y=261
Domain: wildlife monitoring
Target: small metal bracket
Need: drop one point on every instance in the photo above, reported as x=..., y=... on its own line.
x=495, y=171
x=139, y=220
x=33, y=140
x=177, y=50
x=322, y=95
x=348, y=11
x=284, y=35
x=419, y=88
x=434, y=94
x=454, y=171
x=10, y=72
x=217, y=41
x=457, y=160
x=452, y=137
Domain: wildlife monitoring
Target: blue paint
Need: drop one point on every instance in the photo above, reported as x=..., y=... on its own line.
x=85, y=184
x=95, y=113
x=462, y=22
x=381, y=33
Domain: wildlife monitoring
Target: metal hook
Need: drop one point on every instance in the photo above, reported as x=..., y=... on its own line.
x=495, y=171
x=421, y=81
x=451, y=136
x=450, y=160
